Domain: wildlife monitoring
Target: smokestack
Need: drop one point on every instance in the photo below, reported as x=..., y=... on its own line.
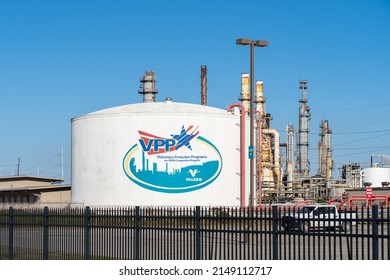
x=245, y=94
x=148, y=87
x=259, y=100
x=203, y=92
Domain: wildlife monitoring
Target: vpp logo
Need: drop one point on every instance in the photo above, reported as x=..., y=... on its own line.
x=153, y=144
x=183, y=162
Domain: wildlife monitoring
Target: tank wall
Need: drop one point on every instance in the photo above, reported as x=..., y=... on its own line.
x=376, y=176
x=111, y=164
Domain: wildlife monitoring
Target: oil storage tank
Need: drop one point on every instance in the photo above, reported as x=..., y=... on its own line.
x=157, y=154
x=374, y=177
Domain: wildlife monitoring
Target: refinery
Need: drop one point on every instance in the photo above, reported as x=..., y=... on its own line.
x=168, y=153
x=179, y=154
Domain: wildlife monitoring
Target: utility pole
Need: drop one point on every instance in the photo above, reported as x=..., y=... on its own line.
x=62, y=164
x=18, y=169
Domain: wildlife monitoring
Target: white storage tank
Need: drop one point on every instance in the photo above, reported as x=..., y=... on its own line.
x=375, y=176
x=157, y=154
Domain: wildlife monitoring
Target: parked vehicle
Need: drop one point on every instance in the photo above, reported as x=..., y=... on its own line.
x=319, y=216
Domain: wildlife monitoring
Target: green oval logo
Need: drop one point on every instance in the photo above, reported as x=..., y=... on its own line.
x=182, y=163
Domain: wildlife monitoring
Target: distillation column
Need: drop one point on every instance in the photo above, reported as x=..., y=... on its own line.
x=148, y=87
x=325, y=162
x=303, y=141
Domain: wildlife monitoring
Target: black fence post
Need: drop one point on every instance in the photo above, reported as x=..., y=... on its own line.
x=136, y=239
x=275, y=218
x=197, y=234
x=11, y=233
x=87, y=233
x=375, y=232
x=46, y=233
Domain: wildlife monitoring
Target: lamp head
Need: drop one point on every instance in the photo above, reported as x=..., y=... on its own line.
x=246, y=41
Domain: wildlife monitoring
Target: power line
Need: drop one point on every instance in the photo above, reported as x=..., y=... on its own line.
x=337, y=110
x=359, y=140
x=357, y=153
x=352, y=109
x=361, y=132
x=365, y=148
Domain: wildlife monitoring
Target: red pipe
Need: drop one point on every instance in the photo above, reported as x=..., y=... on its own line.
x=242, y=151
x=259, y=146
x=385, y=197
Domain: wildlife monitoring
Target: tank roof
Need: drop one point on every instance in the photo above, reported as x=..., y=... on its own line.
x=158, y=108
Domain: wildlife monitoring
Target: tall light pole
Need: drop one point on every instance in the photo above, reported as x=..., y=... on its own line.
x=253, y=44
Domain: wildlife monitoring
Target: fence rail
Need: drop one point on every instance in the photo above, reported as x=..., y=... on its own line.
x=194, y=233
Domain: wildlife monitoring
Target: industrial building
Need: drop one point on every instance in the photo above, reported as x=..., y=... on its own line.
x=33, y=190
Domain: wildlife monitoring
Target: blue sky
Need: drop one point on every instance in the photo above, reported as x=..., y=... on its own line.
x=61, y=59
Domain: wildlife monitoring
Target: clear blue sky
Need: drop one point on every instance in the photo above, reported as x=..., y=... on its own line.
x=61, y=59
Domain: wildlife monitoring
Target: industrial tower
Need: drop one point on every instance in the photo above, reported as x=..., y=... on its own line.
x=303, y=141
x=325, y=162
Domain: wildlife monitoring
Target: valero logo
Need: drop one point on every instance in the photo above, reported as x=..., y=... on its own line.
x=180, y=163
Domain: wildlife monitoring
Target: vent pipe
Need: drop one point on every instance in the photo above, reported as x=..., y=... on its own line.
x=203, y=92
x=290, y=155
x=148, y=87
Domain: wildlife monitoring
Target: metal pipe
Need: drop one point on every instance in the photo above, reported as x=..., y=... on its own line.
x=242, y=151
x=203, y=76
x=290, y=155
x=259, y=157
x=276, y=153
x=260, y=109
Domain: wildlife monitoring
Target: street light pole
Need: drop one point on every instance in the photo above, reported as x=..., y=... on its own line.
x=253, y=44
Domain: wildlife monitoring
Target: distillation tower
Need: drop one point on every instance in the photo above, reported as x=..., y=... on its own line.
x=148, y=87
x=303, y=141
x=320, y=184
x=325, y=162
